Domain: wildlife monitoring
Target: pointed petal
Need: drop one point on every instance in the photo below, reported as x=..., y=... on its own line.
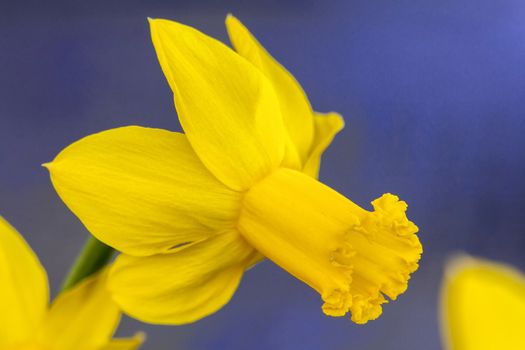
x=125, y=343
x=295, y=107
x=142, y=190
x=82, y=318
x=226, y=106
x=184, y=286
x=23, y=288
x=483, y=305
x=326, y=127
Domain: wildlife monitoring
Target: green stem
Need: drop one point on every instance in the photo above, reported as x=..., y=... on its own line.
x=93, y=257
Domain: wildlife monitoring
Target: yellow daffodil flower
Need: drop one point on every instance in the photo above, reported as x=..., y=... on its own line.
x=82, y=318
x=483, y=306
x=191, y=212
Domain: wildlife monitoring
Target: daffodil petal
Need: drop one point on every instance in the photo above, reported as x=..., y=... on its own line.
x=82, y=318
x=226, y=106
x=184, y=286
x=142, y=190
x=23, y=288
x=295, y=107
x=483, y=305
x=125, y=343
x=326, y=127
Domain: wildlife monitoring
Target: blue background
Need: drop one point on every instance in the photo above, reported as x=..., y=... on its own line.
x=433, y=93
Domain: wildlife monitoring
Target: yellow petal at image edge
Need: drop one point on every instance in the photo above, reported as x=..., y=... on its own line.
x=24, y=291
x=226, y=106
x=183, y=286
x=84, y=312
x=483, y=305
x=142, y=190
x=295, y=107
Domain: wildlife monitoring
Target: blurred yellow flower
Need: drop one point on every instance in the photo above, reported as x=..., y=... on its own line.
x=83, y=318
x=483, y=306
x=191, y=212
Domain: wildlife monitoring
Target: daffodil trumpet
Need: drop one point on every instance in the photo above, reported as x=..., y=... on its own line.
x=191, y=212
x=341, y=250
x=82, y=318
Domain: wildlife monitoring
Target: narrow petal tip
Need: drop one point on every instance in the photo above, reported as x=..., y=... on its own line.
x=47, y=165
x=230, y=17
x=155, y=22
x=140, y=337
x=233, y=22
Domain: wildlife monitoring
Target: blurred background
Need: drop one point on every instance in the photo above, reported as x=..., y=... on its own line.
x=433, y=94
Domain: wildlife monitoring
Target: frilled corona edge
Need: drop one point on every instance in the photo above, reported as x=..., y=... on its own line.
x=351, y=256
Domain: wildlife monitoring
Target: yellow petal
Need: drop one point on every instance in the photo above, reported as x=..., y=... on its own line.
x=483, y=305
x=295, y=108
x=183, y=286
x=82, y=318
x=142, y=190
x=125, y=343
x=23, y=288
x=226, y=106
x=351, y=256
x=326, y=127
